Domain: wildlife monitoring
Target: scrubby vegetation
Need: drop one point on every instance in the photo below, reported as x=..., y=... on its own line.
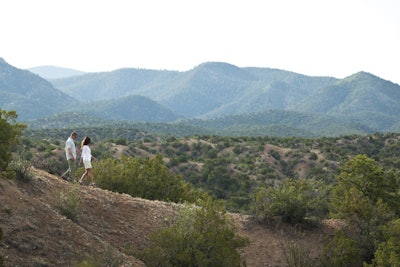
x=354, y=179
x=201, y=236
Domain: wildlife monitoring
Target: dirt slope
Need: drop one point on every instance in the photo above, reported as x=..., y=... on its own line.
x=35, y=234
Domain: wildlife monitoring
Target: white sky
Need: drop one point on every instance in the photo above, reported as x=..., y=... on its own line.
x=313, y=37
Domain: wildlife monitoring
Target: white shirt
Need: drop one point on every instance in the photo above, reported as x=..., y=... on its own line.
x=69, y=144
x=86, y=153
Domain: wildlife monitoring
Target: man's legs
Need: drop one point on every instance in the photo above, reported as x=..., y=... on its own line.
x=72, y=170
x=64, y=175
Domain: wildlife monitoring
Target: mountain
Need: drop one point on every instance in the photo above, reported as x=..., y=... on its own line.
x=281, y=123
x=53, y=72
x=116, y=84
x=212, y=89
x=30, y=95
x=132, y=107
x=361, y=97
x=215, y=91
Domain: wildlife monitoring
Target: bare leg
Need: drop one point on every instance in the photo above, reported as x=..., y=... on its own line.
x=90, y=175
x=84, y=175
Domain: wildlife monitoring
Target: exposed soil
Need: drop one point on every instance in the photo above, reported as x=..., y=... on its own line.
x=36, y=234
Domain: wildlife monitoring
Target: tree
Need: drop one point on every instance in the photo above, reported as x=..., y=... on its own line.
x=10, y=131
x=388, y=252
x=367, y=197
x=341, y=251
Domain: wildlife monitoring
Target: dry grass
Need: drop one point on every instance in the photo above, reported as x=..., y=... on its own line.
x=35, y=232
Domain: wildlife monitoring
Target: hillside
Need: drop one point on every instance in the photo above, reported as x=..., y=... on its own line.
x=271, y=101
x=215, y=90
x=29, y=94
x=54, y=72
x=35, y=234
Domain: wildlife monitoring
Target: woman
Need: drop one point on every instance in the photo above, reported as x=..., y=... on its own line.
x=86, y=157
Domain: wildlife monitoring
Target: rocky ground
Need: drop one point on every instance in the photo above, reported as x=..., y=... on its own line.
x=107, y=224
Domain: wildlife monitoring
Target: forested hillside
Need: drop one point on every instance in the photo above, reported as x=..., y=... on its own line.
x=351, y=182
x=29, y=94
x=214, y=97
x=236, y=165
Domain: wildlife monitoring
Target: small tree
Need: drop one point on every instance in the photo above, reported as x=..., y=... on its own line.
x=388, y=252
x=341, y=251
x=367, y=197
x=10, y=131
x=202, y=236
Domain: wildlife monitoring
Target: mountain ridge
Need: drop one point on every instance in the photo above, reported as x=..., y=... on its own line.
x=211, y=90
x=54, y=72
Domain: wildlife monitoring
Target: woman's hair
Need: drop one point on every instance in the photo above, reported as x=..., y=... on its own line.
x=85, y=141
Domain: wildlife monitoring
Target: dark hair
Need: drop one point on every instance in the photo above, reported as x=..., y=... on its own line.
x=85, y=141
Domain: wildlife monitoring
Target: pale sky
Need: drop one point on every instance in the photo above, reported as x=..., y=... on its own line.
x=312, y=37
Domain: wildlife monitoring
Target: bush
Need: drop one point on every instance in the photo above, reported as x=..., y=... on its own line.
x=366, y=196
x=111, y=258
x=145, y=178
x=297, y=256
x=69, y=203
x=388, y=252
x=341, y=251
x=22, y=169
x=10, y=132
x=291, y=200
x=201, y=236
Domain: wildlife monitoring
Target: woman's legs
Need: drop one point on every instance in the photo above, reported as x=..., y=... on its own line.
x=91, y=177
x=88, y=173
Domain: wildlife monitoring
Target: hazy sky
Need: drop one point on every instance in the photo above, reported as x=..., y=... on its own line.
x=313, y=37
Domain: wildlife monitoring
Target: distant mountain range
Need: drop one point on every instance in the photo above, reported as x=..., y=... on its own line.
x=218, y=97
x=53, y=72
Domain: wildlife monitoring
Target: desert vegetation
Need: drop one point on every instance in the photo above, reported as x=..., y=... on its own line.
x=299, y=181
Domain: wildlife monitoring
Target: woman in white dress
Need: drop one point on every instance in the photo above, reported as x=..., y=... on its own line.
x=86, y=158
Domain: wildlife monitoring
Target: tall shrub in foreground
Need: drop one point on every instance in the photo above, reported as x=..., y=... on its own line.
x=388, y=252
x=10, y=131
x=367, y=197
x=202, y=236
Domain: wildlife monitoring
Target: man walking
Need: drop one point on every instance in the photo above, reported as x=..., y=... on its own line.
x=70, y=152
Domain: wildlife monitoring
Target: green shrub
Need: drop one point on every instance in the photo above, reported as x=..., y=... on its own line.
x=111, y=258
x=291, y=200
x=22, y=169
x=145, y=178
x=297, y=255
x=10, y=132
x=201, y=236
x=341, y=251
x=69, y=203
x=388, y=252
x=366, y=196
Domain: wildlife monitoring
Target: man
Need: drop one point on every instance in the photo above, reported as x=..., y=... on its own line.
x=70, y=152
